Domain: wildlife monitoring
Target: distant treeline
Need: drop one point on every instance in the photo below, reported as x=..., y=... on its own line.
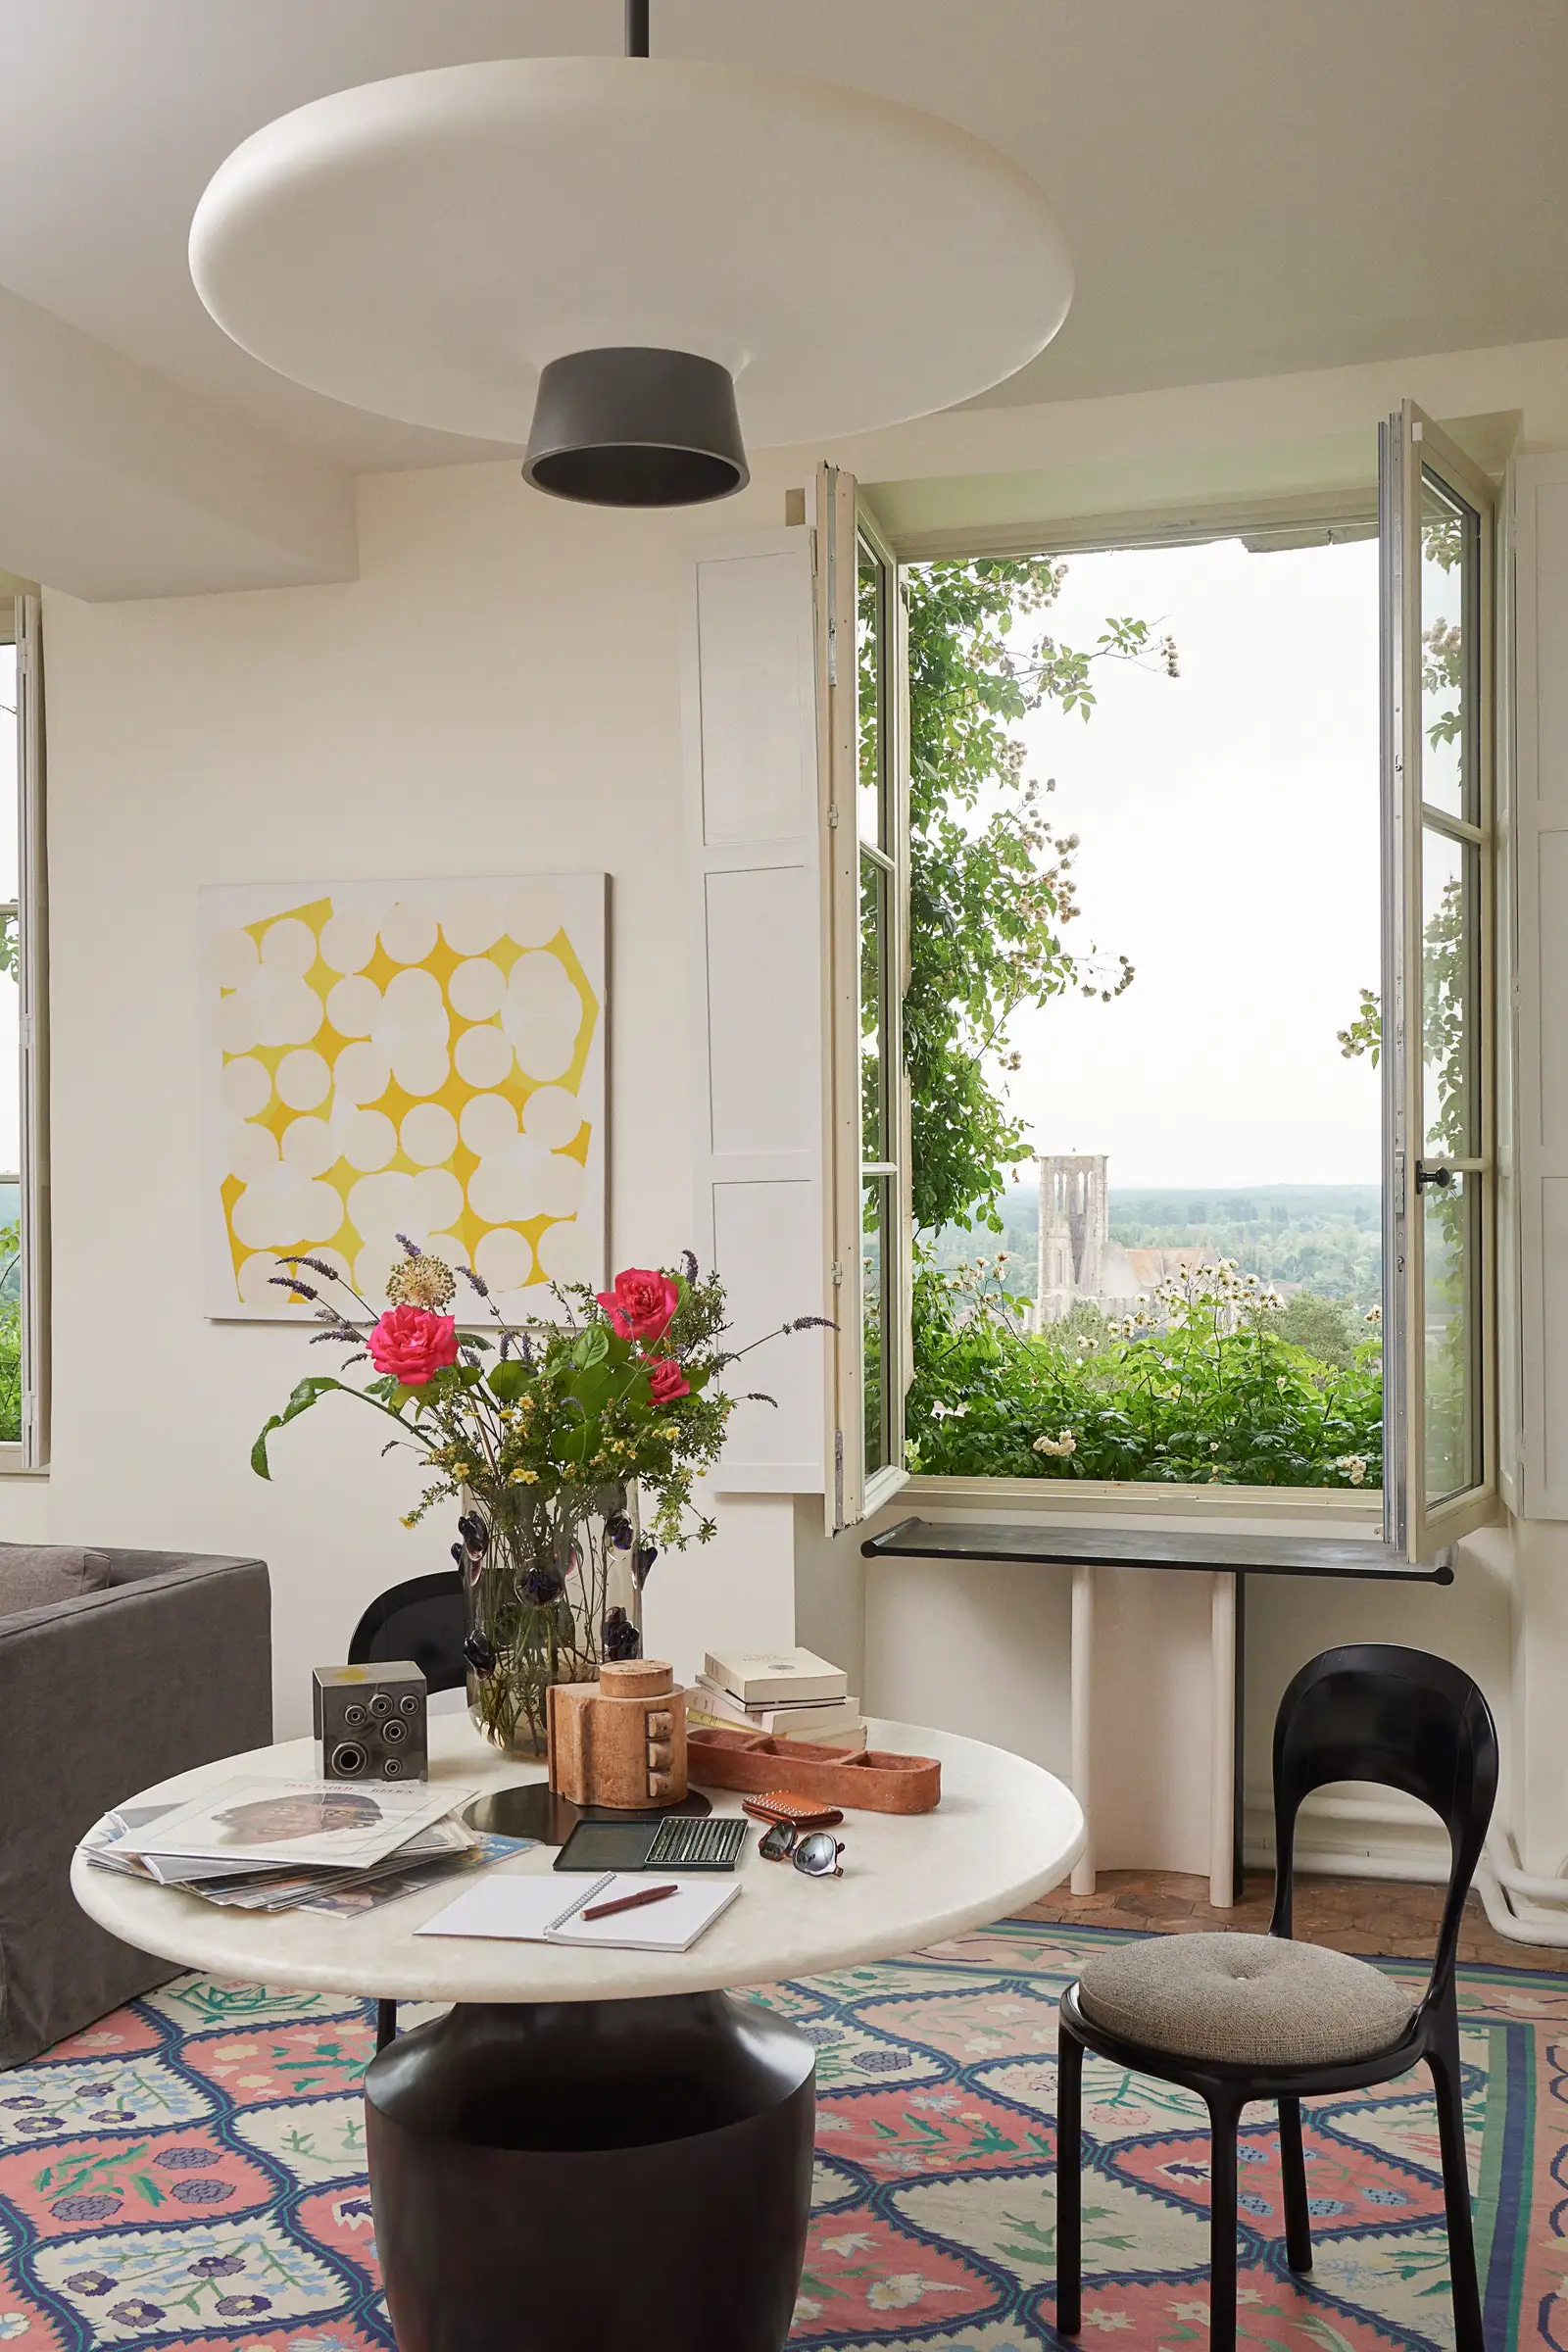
x=1325, y=1238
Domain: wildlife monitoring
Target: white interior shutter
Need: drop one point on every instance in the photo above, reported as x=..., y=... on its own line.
x=1540, y=852
x=755, y=864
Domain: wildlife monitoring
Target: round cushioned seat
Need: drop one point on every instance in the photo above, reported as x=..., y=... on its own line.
x=1257, y=2000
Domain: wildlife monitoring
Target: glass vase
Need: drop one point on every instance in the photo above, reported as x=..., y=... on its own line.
x=552, y=1590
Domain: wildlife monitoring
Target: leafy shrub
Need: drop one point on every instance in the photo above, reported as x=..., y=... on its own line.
x=10, y=1375
x=1205, y=1390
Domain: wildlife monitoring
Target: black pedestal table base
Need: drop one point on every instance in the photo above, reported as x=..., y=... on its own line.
x=593, y=2176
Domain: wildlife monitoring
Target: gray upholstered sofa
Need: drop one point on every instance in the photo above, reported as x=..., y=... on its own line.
x=153, y=1662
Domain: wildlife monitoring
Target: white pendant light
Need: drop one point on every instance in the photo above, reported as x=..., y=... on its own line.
x=622, y=262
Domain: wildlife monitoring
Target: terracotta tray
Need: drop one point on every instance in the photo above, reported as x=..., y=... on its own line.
x=864, y=1780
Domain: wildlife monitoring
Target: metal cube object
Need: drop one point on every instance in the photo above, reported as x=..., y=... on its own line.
x=370, y=1721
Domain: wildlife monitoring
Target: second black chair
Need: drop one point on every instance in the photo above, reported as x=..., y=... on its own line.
x=423, y=1619
x=1238, y=2018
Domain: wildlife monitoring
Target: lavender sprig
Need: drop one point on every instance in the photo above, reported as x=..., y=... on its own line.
x=294, y=1287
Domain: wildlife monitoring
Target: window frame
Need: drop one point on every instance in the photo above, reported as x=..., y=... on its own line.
x=1353, y=512
x=847, y=530
x=1412, y=449
x=20, y=624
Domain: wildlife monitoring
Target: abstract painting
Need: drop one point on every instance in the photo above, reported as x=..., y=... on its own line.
x=404, y=1058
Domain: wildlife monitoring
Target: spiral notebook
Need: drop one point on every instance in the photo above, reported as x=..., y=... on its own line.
x=535, y=1910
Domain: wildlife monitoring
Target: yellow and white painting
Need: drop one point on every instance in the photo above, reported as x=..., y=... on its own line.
x=404, y=1058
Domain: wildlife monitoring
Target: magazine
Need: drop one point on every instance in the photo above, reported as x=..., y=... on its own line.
x=369, y=1893
x=446, y=1847
x=296, y=1824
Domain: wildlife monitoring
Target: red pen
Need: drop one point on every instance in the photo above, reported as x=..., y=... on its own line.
x=628, y=1902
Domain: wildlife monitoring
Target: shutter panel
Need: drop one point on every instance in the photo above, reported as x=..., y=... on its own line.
x=1541, y=851
x=754, y=845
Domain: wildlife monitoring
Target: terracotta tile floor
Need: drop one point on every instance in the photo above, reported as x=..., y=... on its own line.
x=1354, y=1915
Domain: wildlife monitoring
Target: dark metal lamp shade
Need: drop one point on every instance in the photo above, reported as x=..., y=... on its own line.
x=636, y=428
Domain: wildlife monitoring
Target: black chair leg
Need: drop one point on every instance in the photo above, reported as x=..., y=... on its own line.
x=1293, y=2171
x=1069, y=2181
x=1222, y=2122
x=386, y=2022
x=1443, y=2060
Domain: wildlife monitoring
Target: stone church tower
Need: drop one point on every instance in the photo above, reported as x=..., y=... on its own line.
x=1074, y=1232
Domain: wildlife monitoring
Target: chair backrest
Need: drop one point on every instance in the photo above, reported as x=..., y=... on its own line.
x=1398, y=1717
x=425, y=1620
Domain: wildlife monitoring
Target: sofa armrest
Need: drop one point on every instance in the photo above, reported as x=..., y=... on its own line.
x=106, y=1693
x=101, y=1697
x=137, y=1567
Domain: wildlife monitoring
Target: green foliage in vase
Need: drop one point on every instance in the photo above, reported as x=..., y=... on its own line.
x=574, y=1448
x=1199, y=1386
x=619, y=1392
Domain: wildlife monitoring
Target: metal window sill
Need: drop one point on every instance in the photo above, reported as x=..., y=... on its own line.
x=1242, y=1553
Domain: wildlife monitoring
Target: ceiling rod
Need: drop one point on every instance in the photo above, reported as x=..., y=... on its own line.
x=636, y=28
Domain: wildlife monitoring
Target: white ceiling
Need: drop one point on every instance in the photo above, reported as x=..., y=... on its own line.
x=1248, y=186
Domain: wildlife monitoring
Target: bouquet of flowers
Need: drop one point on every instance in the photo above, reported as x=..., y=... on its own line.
x=572, y=1449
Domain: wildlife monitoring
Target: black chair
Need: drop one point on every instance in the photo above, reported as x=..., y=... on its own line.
x=425, y=1620
x=1238, y=2018
x=422, y=1620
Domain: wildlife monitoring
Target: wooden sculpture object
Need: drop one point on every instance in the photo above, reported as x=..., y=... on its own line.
x=621, y=1741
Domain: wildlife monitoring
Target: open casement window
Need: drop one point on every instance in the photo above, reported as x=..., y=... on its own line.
x=23, y=1221
x=1438, y=527
x=796, y=831
x=861, y=625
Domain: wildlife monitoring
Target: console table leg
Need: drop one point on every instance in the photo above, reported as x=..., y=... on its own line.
x=1222, y=1889
x=1083, y=1717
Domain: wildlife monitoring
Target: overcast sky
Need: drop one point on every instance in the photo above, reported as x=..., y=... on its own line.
x=1229, y=822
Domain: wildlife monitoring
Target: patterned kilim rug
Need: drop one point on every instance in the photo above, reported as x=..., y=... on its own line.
x=189, y=2173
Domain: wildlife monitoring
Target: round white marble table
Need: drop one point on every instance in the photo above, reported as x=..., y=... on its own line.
x=1003, y=1833
x=603, y=2148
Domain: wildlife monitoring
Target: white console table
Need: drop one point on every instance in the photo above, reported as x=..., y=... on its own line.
x=1096, y=1559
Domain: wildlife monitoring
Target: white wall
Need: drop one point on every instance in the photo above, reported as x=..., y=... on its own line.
x=499, y=690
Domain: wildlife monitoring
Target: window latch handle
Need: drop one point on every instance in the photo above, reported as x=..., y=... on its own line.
x=1426, y=1179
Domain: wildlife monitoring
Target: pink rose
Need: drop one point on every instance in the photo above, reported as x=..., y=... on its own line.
x=666, y=1380
x=640, y=1304
x=412, y=1343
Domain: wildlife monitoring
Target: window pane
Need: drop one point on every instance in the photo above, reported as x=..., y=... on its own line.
x=870, y=797
x=1450, y=1229
x=1449, y=935
x=1450, y=589
x=876, y=1197
x=9, y=775
x=873, y=1010
x=10, y=1218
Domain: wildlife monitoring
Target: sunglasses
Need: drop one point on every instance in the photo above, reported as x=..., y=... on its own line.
x=816, y=1854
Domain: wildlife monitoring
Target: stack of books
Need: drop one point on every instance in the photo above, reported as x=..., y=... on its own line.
x=282, y=1846
x=783, y=1694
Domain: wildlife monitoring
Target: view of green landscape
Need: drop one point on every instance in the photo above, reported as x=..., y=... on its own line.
x=1324, y=1238
x=1221, y=1332
x=9, y=1317
x=10, y=1094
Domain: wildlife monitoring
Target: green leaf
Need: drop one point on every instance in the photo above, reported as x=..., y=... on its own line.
x=509, y=1381
x=304, y=1396
x=591, y=1346
x=592, y=1390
